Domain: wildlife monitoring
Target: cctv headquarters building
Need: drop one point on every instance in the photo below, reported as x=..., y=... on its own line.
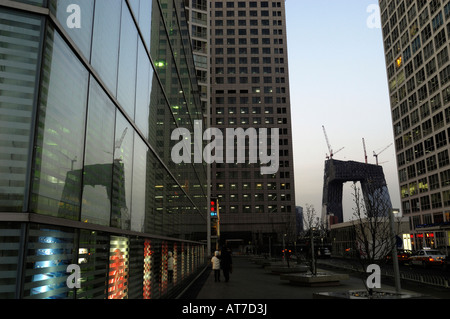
x=90, y=92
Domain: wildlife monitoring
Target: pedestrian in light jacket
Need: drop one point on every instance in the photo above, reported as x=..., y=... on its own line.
x=215, y=261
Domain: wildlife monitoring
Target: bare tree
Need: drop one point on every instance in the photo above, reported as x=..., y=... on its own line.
x=311, y=223
x=372, y=230
x=289, y=233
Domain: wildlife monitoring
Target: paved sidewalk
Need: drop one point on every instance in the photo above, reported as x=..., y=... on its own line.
x=252, y=281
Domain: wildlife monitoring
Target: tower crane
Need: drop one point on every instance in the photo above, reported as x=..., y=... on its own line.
x=118, y=145
x=329, y=146
x=376, y=155
x=119, y=142
x=365, y=152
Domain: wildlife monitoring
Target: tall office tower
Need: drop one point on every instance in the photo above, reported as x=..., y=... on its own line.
x=90, y=92
x=250, y=90
x=416, y=37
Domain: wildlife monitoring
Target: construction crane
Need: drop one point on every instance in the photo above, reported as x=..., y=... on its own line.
x=376, y=155
x=329, y=146
x=365, y=152
x=119, y=142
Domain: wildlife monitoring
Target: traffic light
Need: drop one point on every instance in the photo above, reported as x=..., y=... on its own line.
x=213, y=207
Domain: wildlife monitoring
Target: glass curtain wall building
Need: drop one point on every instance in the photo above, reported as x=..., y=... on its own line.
x=198, y=16
x=198, y=19
x=250, y=90
x=416, y=37
x=90, y=93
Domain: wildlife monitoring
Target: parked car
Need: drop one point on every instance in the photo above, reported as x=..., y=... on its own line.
x=323, y=253
x=427, y=257
x=403, y=256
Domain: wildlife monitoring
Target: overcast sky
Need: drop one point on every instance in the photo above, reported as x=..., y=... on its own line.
x=338, y=80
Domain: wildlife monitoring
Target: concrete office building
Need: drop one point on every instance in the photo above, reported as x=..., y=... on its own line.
x=416, y=37
x=250, y=89
x=90, y=93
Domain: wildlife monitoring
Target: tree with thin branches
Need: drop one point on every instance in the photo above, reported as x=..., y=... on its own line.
x=312, y=224
x=374, y=237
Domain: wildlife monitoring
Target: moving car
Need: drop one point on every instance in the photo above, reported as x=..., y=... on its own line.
x=427, y=257
x=403, y=256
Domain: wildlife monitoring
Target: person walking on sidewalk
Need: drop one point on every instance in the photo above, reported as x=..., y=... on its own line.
x=215, y=261
x=226, y=262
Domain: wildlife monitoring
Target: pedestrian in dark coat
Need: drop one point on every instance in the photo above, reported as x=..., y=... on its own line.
x=226, y=262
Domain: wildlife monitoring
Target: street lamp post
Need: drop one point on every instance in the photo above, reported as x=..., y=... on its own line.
x=394, y=251
x=312, y=252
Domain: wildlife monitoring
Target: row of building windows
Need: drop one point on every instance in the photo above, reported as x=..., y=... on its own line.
x=254, y=185
x=246, y=80
x=221, y=175
x=249, y=70
x=241, y=31
x=255, y=89
x=256, y=197
x=425, y=129
x=423, y=203
x=242, y=41
x=248, y=209
x=428, y=219
x=419, y=151
x=231, y=100
x=246, y=110
x=257, y=80
x=420, y=168
x=253, y=51
x=246, y=121
x=243, y=4
x=232, y=23
x=241, y=13
x=244, y=60
x=435, y=181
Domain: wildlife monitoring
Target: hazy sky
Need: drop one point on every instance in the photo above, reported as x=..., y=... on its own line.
x=337, y=79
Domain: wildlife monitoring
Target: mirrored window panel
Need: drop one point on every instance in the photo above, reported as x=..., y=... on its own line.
x=76, y=17
x=98, y=164
x=59, y=146
x=122, y=173
x=20, y=35
x=105, y=41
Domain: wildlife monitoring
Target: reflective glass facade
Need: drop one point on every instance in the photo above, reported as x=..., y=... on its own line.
x=90, y=93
